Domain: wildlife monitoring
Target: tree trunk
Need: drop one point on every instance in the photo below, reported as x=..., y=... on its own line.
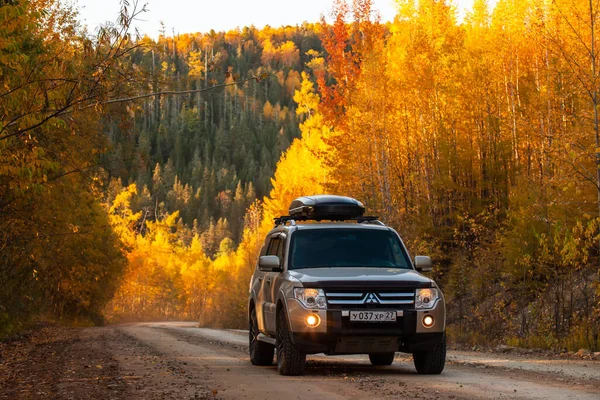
x=595, y=103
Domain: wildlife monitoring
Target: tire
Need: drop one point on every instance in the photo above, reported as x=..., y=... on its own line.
x=290, y=359
x=382, y=358
x=431, y=362
x=261, y=353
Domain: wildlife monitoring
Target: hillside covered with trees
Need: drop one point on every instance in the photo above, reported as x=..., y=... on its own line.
x=476, y=140
x=210, y=155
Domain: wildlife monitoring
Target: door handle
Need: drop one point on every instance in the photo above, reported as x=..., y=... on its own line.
x=269, y=281
x=260, y=278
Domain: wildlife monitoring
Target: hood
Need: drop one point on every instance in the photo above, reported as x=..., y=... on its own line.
x=356, y=277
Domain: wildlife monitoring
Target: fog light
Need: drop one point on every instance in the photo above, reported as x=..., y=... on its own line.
x=428, y=321
x=313, y=320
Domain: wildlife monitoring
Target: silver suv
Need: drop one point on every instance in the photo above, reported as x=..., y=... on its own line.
x=343, y=287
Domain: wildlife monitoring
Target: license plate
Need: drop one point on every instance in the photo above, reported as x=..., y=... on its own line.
x=372, y=316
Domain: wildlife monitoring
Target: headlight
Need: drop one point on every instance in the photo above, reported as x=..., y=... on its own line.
x=311, y=298
x=426, y=298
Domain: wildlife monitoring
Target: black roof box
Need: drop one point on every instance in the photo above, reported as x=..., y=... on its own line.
x=324, y=206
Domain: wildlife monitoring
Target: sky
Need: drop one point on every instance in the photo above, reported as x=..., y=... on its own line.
x=188, y=16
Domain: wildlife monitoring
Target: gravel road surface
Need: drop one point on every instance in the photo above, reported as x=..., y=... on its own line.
x=177, y=360
x=467, y=374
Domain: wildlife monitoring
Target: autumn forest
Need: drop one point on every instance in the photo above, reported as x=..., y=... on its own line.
x=138, y=177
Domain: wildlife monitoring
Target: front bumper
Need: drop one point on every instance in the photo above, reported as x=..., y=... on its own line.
x=337, y=335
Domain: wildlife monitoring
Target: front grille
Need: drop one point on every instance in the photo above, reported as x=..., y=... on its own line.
x=399, y=299
x=362, y=326
x=367, y=344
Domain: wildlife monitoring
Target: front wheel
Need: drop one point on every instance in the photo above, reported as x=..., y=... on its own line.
x=382, y=358
x=431, y=362
x=290, y=359
x=261, y=353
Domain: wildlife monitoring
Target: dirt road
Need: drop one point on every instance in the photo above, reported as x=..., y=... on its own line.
x=181, y=361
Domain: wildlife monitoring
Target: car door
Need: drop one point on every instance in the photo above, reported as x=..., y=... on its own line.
x=276, y=245
x=258, y=288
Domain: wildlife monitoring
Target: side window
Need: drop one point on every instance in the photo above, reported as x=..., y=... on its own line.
x=281, y=250
x=274, y=247
x=264, y=248
x=397, y=253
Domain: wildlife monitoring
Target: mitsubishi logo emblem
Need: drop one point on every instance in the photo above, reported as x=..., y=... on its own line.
x=371, y=299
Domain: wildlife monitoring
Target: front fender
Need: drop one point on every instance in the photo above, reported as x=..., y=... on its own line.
x=296, y=315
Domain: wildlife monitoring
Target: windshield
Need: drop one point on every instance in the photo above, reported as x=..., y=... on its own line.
x=322, y=248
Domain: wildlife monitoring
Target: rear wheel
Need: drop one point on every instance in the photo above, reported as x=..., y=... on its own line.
x=261, y=353
x=382, y=358
x=431, y=362
x=290, y=359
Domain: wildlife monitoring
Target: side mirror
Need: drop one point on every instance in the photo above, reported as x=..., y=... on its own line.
x=423, y=263
x=269, y=264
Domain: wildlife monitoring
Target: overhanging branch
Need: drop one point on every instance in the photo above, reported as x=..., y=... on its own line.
x=68, y=109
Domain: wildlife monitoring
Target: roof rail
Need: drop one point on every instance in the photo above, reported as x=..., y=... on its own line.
x=361, y=220
x=365, y=219
x=283, y=219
